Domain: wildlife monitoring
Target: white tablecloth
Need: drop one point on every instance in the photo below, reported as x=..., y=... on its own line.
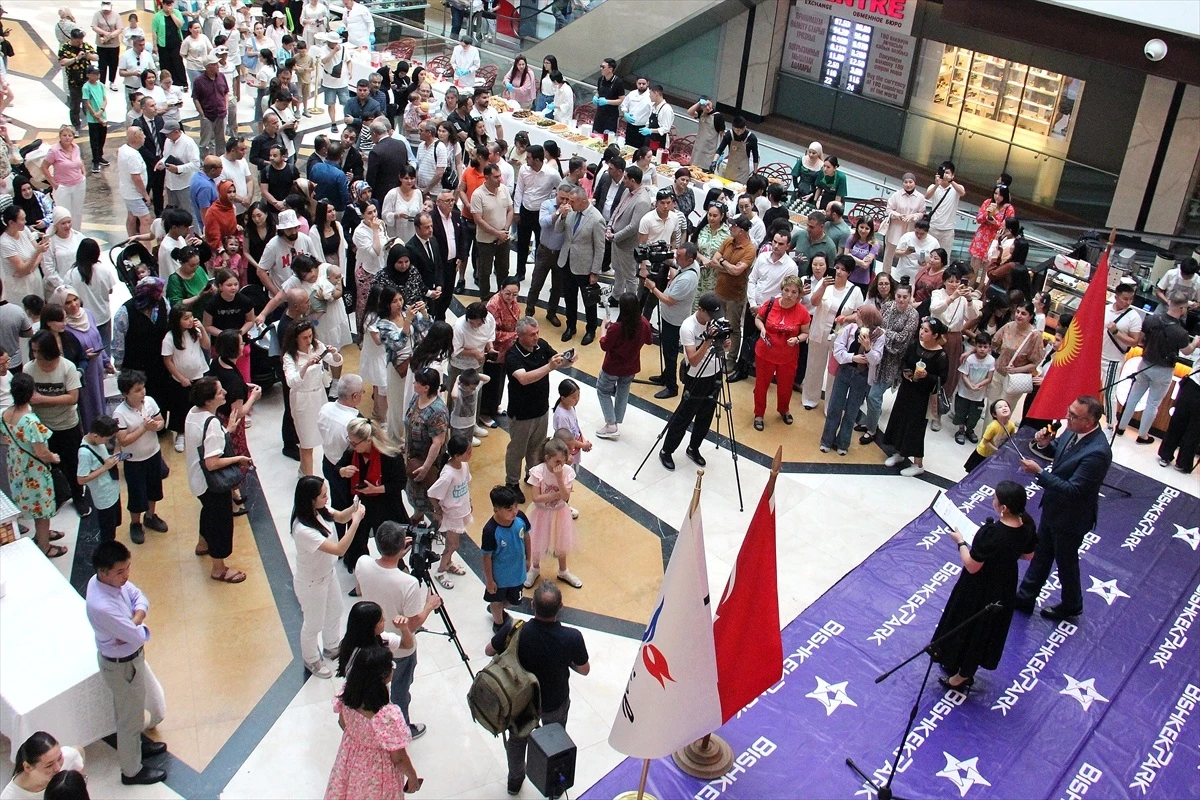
x=49, y=678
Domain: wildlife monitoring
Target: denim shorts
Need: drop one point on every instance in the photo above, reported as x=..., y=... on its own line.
x=339, y=95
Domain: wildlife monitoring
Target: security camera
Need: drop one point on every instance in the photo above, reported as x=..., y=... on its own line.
x=1155, y=49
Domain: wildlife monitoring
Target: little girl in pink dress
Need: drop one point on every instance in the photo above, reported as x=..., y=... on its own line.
x=551, y=528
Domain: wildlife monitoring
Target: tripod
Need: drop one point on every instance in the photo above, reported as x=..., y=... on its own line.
x=724, y=403
x=885, y=791
x=420, y=571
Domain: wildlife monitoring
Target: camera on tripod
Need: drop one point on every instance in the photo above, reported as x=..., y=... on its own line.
x=718, y=330
x=422, y=555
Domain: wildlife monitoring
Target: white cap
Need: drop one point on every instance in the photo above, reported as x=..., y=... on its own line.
x=278, y=15
x=287, y=220
x=333, y=37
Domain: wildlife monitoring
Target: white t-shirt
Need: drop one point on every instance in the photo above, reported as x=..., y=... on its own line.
x=396, y=592
x=690, y=333
x=95, y=295
x=6, y=400
x=944, y=205
x=129, y=163
x=327, y=79
x=975, y=369
x=312, y=564
x=825, y=315
x=656, y=228
x=470, y=337
x=72, y=760
x=214, y=445
x=190, y=361
x=1173, y=281
x=1130, y=323
x=452, y=490
x=908, y=265
x=146, y=445
x=238, y=172
x=22, y=246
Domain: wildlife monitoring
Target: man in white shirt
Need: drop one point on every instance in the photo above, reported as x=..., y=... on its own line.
x=492, y=208
x=766, y=277
x=662, y=223
x=381, y=581
x=1122, y=330
x=134, y=61
x=235, y=168
x=661, y=120
x=275, y=266
x=465, y=61
x=914, y=247
x=335, y=74
x=698, y=404
x=483, y=110
x=332, y=420
x=635, y=108
x=180, y=161
x=360, y=25
x=944, y=193
x=132, y=183
x=508, y=176
x=432, y=158
x=534, y=186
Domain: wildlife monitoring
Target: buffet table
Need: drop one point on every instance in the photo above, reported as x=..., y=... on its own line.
x=49, y=678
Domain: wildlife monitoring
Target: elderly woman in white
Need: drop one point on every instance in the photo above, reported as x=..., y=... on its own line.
x=64, y=245
x=306, y=370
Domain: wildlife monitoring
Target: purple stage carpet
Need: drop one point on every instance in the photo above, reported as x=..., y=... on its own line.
x=1103, y=707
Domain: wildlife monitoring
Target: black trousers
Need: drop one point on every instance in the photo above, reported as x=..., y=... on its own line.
x=287, y=427
x=1184, y=431
x=97, y=136
x=75, y=105
x=573, y=286
x=65, y=445
x=697, y=408
x=493, y=390
x=633, y=136
x=545, y=264
x=448, y=276
x=527, y=226
x=749, y=339
x=668, y=337
x=109, y=56
x=157, y=179
x=1054, y=548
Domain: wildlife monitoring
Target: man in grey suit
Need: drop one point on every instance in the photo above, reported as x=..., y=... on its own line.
x=1070, y=501
x=623, y=230
x=582, y=254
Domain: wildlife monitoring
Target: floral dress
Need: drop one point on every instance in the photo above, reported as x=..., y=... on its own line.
x=708, y=242
x=900, y=327
x=28, y=478
x=421, y=426
x=363, y=769
x=989, y=226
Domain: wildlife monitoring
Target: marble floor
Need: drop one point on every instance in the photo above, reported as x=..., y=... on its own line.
x=244, y=721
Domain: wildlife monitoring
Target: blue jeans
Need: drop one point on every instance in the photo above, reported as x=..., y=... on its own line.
x=457, y=17
x=841, y=406
x=541, y=101
x=402, y=678
x=874, y=407
x=609, y=387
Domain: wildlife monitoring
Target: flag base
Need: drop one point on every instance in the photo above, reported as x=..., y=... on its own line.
x=707, y=758
x=632, y=794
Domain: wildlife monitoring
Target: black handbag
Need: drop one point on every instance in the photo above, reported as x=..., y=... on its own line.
x=225, y=479
x=590, y=293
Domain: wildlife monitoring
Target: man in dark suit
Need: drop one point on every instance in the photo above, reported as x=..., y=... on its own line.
x=1070, y=498
x=387, y=159
x=452, y=237
x=152, y=124
x=424, y=253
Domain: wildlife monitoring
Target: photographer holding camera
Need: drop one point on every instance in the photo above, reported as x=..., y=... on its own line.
x=699, y=334
x=683, y=276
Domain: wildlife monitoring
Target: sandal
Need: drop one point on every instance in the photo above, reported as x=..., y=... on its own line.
x=240, y=510
x=239, y=500
x=758, y=423
x=455, y=569
x=201, y=551
x=230, y=575
x=444, y=581
x=787, y=419
x=55, y=551
x=56, y=535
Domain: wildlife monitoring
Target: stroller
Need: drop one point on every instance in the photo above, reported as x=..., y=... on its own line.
x=128, y=258
x=266, y=365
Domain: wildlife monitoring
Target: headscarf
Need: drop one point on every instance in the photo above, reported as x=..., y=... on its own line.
x=148, y=292
x=809, y=164
x=34, y=213
x=220, y=219
x=60, y=213
x=356, y=190
x=82, y=320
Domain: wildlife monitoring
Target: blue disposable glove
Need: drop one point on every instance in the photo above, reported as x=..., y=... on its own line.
x=461, y=71
x=645, y=131
x=372, y=39
x=629, y=118
x=598, y=100
x=549, y=109
x=508, y=85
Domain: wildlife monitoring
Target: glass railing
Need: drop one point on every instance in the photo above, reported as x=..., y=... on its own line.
x=529, y=21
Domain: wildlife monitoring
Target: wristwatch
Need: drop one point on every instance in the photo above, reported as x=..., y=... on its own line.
x=963, y=544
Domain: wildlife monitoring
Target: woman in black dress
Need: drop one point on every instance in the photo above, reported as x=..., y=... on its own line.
x=989, y=575
x=924, y=368
x=375, y=468
x=240, y=397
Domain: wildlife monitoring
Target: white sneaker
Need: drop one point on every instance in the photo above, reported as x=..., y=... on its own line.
x=481, y=431
x=574, y=512
x=608, y=432
x=475, y=441
x=319, y=669
x=531, y=577
x=179, y=443
x=893, y=460
x=936, y=424
x=567, y=577
x=912, y=471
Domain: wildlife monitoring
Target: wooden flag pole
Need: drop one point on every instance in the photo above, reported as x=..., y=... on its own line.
x=641, y=793
x=696, y=493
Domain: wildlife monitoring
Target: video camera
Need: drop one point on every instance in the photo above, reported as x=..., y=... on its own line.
x=718, y=330
x=659, y=254
x=421, y=557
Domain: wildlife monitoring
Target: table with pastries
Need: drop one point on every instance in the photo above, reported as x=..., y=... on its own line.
x=49, y=677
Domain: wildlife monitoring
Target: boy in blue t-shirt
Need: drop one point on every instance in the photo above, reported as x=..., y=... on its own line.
x=93, y=472
x=506, y=554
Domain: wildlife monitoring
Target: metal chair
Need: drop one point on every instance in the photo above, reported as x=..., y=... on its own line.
x=403, y=48
x=681, y=150
x=585, y=114
x=780, y=172
x=485, y=77
x=439, y=66
x=874, y=210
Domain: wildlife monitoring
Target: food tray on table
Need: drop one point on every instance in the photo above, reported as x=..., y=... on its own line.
x=544, y=123
x=522, y=114
x=596, y=144
x=577, y=138
x=801, y=207
x=499, y=103
x=558, y=127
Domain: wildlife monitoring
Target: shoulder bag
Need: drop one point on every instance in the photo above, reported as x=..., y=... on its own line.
x=1117, y=321
x=928, y=216
x=1019, y=382
x=225, y=479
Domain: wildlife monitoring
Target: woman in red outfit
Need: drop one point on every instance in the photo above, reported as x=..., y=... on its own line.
x=782, y=324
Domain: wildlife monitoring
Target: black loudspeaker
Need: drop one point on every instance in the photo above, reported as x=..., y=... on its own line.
x=550, y=764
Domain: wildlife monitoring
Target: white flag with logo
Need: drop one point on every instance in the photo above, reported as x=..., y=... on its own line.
x=671, y=699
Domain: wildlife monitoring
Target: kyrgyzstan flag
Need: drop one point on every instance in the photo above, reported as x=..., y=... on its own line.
x=1075, y=370
x=671, y=698
x=746, y=631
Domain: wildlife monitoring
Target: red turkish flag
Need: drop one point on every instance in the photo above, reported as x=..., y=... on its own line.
x=1076, y=367
x=746, y=629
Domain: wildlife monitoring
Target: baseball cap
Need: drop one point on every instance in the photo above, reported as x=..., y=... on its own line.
x=278, y=15
x=93, y=70
x=170, y=126
x=211, y=58
x=221, y=51
x=710, y=303
x=743, y=223
x=76, y=33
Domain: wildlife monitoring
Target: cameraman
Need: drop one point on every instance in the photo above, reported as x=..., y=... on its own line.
x=682, y=279
x=703, y=379
x=662, y=224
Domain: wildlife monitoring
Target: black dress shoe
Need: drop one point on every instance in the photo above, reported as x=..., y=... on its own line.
x=657, y=380
x=151, y=748
x=517, y=488
x=588, y=338
x=1023, y=605
x=147, y=776
x=666, y=460
x=612, y=302
x=1059, y=613
x=460, y=287
x=694, y=454
x=292, y=452
x=739, y=375
x=568, y=334
x=666, y=393
x=553, y=320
